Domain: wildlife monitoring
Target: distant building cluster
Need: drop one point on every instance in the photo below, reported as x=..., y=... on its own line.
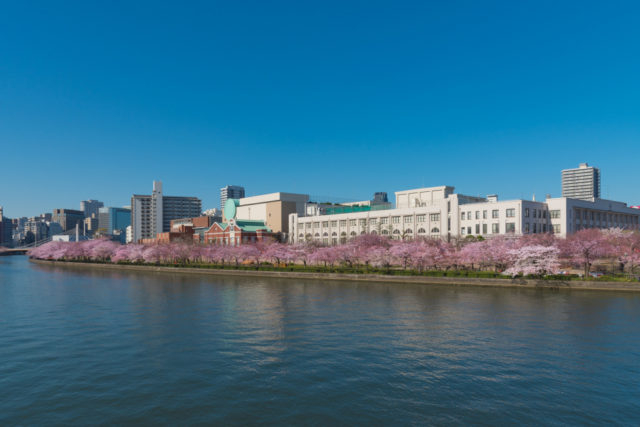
x=434, y=212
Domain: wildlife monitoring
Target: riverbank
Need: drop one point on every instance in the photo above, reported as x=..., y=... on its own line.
x=422, y=280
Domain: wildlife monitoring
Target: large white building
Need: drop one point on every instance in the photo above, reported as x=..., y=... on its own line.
x=439, y=212
x=152, y=214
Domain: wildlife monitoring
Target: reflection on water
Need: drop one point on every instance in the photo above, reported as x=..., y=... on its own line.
x=89, y=346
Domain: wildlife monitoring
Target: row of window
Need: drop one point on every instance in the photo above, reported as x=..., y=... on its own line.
x=395, y=232
x=495, y=228
x=495, y=213
x=408, y=219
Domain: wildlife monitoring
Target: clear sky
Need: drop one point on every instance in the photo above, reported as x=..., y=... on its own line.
x=334, y=99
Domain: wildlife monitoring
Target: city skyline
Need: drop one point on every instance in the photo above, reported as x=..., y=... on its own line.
x=341, y=101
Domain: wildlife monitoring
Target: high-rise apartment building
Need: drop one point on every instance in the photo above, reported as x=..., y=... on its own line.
x=90, y=207
x=230, y=192
x=152, y=214
x=581, y=183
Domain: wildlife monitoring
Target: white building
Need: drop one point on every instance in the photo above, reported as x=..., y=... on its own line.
x=438, y=212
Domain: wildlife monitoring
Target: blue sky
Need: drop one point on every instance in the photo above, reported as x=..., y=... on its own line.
x=334, y=99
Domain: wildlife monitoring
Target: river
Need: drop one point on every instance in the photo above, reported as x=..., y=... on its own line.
x=105, y=347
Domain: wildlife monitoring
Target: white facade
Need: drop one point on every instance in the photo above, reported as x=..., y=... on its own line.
x=438, y=212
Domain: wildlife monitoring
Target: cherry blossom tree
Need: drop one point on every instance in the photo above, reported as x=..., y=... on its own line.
x=534, y=260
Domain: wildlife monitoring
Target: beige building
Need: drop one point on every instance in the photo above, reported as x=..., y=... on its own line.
x=273, y=209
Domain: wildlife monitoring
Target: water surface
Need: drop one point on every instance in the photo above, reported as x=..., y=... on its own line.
x=89, y=347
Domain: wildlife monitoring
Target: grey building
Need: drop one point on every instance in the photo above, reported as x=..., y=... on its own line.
x=90, y=207
x=152, y=214
x=230, y=192
x=68, y=218
x=581, y=183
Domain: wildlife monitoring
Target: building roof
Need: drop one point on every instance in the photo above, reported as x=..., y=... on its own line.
x=247, y=225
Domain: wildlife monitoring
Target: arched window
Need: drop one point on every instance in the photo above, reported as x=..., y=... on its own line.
x=325, y=234
x=385, y=232
x=301, y=235
x=363, y=232
x=317, y=235
x=353, y=233
x=422, y=231
x=396, y=231
x=308, y=236
x=408, y=231
x=435, y=230
x=334, y=234
x=374, y=232
x=343, y=234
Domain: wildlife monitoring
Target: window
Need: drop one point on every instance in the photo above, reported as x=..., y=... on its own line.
x=484, y=228
x=435, y=217
x=435, y=230
x=544, y=214
x=468, y=230
x=477, y=214
x=373, y=221
x=421, y=218
x=343, y=223
x=462, y=216
x=495, y=228
x=384, y=221
x=512, y=212
x=325, y=224
x=396, y=231
x=334, y=223
x=556, y=228
x=352, y=222
x=363, y=222
x=478, y=228
x=463, y=231
x=316, y=225
x=535, y=228
x=385, y=232
x=526, y=212
x=422, y=231
x=526, y=227
x=555, y=214
x=510, y=227
x=395, y=220
x=495, y=213
x=484, y=214
x=535, y=213
x=408, y=219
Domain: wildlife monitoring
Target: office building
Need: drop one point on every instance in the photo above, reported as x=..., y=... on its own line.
x=230, y=192
x=581, y=183
x=114, y=221
x=152, y=214
x=90, y=207
x=68, y=218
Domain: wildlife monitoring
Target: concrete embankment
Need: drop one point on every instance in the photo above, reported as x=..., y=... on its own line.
x=421, y=280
